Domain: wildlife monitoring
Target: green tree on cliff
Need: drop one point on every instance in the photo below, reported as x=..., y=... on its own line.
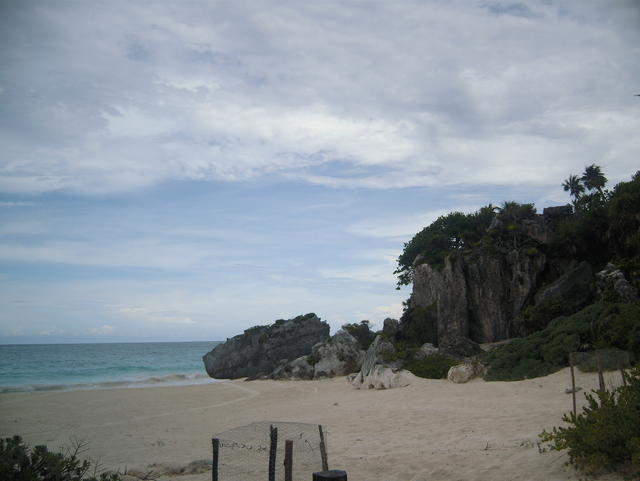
x=574, y=186
x=593, y=178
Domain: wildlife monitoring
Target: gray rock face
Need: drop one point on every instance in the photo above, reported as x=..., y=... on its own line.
x=427, y=349
x=263, y=348
x=464, y=372
x=374, y=357
x=580, y=277
x=382, y=377
x=376, y=354
x=612, y=280
x=378, y=374
x=389, y=327
x=337, y=356
x=478, y=296
x=298, y=369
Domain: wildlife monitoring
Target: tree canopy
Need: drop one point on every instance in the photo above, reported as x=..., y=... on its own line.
x=605, y=226
x=458, y=231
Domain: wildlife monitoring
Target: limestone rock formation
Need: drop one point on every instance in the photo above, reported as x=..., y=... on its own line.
x=389, y=328
x=338, y=356
x=259, y=350
x=298, y=369
x=375, y=355
x=383, y=377
x=477, y=296
x=577, y=280
x=464, y=372
x=376, y=373
x=427, y=349
x=611, y=280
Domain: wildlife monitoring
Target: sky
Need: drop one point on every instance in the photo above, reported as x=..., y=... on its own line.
x=184, y=170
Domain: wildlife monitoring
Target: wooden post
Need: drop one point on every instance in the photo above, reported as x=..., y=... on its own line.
x=288, y=460
x=323, y=451
x=600, y=375
x=333, y=475
x=214, y=465
x=573, y=383
x=272, y=453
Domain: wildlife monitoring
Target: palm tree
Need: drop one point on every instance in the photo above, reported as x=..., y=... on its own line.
x=574, y=186
x=593, y=178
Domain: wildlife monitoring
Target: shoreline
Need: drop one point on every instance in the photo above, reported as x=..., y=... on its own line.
x=431, y=430
x=161, y=380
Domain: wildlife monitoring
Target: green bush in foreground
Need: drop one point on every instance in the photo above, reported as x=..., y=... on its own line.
x=19, y=462
x=596, y=326
x=606, y=435
x=431, y=367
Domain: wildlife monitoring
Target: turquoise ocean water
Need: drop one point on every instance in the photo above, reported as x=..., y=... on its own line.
x=58, y=367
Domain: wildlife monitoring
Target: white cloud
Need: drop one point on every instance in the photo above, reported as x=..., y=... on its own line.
x=393, y=310
x=144, y=253
x=103, y=330
x=405, y=226
x=363, y=274
x=406, y=94
x=156, y=315
x=55, y=332
x=16, y=203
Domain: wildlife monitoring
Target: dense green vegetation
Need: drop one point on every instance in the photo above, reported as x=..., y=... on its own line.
x=606, y=435
x=539, y=316
x=597, y=326
x=434, y=366
x=19, y=462
x=419, y=325
x=362, y=332
x=605, y=227
x=458, y=231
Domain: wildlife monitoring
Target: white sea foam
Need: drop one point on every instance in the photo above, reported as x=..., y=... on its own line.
x=154, y=381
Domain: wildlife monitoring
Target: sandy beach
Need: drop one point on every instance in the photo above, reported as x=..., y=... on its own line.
x=431, y=430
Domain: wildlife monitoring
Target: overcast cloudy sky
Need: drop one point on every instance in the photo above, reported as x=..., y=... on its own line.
x=184, y=170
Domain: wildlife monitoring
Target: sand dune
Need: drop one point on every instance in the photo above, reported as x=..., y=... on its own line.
x=432, y=430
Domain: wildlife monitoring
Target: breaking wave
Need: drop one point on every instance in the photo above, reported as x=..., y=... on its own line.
x=154, y=381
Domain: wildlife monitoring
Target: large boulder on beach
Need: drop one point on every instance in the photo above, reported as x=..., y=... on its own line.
x=261, y=349
x=465, y=372
x=427, y=349
x=379, y=352
x=300, y=368
x=338, y=356
x=378, y=370
x=383, y=377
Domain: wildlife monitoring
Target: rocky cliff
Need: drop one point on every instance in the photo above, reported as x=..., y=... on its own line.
x=479, y=294
x=259, y=350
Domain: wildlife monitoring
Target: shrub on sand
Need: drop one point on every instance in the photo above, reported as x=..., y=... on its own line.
x=435, y=366
x=597, y=326
x=19, y=462
x=606, y=435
